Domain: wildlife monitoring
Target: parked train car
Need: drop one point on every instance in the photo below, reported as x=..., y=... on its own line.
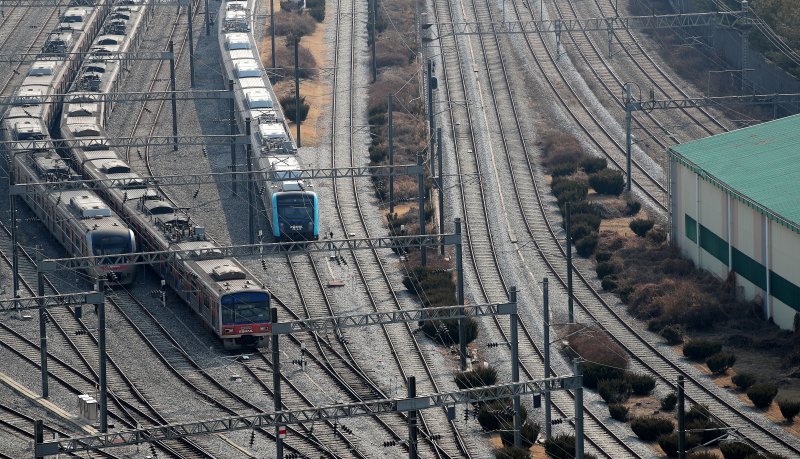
x=77, y=218
x=228, y=298
x=292, y=208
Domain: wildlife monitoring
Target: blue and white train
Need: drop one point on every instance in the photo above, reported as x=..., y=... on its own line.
x=77, y=218
x=292, y=206
x=220, y=290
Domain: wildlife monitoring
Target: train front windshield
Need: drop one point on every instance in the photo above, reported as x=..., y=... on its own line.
x=111, y=244
x=296, y=209
x=245, y=308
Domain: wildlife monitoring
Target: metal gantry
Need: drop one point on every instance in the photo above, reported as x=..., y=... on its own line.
x=308, y=415
x=632, y=105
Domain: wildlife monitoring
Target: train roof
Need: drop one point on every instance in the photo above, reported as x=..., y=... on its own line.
x=42, y=68
x=258, y=98
x=247, y=68
x=237, y=40
x=272, y=131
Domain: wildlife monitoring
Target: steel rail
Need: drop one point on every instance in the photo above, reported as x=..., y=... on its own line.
x=344, y=84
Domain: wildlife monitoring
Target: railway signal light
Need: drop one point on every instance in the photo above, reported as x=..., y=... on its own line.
x=492, y=344
x=389, y=443
x=557, y=421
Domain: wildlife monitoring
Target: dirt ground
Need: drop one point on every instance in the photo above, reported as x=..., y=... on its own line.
x=316, y=91
x=767, y=365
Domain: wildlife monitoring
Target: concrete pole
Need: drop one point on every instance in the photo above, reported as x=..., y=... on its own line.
x=272, y=30
x=412, y=420
x=101, y=338
x=207, y=19
x=391, y=153
x=14, y=249
x=42, y=335
x=578, y=412
x=681, y=419
x=191, y=44
x=171, y=49
x=745, y=41
x=515, y=369
x=431, y=120
x=548, y=428
x=251, y=213
x=232, y=115
x=38, y=436
x=462, y=332
x=628, y=120
x=276, y=383
x=423, y=250
x=570, y=306
x=373, y=39
x=441, y=186
x=297, y=87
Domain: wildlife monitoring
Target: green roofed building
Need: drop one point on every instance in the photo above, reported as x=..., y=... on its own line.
x=736, y=209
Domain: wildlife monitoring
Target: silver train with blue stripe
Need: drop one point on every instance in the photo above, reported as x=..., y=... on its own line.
x=292, y=207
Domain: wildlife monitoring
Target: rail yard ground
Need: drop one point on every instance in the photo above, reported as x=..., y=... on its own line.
x=499, y=99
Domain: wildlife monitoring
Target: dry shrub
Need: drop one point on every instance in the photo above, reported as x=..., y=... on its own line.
x=290, y=23
x=405, y=188
x=391, y=81
x=284, y=59
x=389, y=52
x=561, y=148
x=595, y=345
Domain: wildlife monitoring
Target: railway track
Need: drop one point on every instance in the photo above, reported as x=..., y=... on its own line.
x=128, y=403
x=13, y=39
x=481, y=242
x=378, y=288
x=536, y=223
x=546, y=60
x=648, y=72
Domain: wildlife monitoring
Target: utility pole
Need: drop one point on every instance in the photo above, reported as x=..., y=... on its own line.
x=578, y=412
x=297, y=87
x=207, y=19
x=276, y=383
x=412, y=420
x=548, y=428
x=251, y=214
x=570, y=311
x=101, y=338
x=373, y=38
x=232, y=115
x=272, y=30
x=423, y=250
x=745, y=41
x=514, y=318
x=628, y=119
x=14, y=249
x=462, y=333
x=430, y=112
x=171, y=49
x=191, y=44
x=38, y=436
x=681, y=419
x=42, y=334
x=391, y=154
x=441, y=186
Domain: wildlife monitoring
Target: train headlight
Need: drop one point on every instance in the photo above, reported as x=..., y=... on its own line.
x=227, y=330
x=263, y=328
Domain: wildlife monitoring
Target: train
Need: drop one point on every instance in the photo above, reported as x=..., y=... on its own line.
x=292, y=207
x=231, y=302
x=77, y=218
